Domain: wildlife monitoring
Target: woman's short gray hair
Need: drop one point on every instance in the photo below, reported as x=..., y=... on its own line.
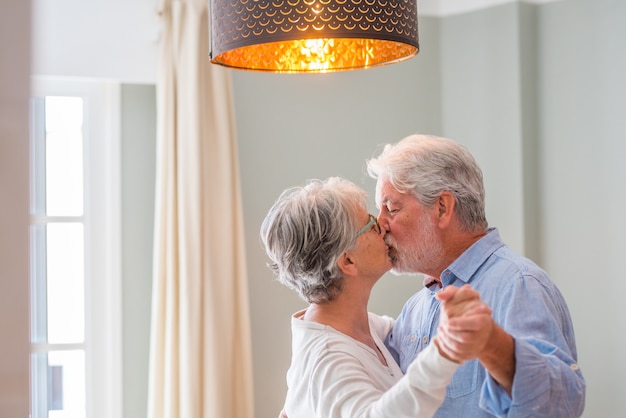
x=426, y=166
x=307, y=230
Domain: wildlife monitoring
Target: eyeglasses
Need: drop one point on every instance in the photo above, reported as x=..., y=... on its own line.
x=373, y=223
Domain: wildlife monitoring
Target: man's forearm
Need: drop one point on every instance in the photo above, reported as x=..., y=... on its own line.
x=498, y=358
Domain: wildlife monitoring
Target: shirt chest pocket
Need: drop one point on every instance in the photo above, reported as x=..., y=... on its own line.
x=411, y=345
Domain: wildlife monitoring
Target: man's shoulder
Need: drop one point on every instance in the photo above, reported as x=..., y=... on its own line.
x=417, y=299
x=514, y=264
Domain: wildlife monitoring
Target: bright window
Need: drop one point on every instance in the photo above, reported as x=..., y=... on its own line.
x=75, y=260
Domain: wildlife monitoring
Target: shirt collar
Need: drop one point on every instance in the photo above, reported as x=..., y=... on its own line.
x=464, y=267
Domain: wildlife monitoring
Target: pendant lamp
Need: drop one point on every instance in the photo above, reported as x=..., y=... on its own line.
x=303, y=36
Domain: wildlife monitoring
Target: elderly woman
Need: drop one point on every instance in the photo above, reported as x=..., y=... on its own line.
x=324, y=245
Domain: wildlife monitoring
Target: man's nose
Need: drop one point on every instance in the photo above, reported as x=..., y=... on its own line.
x=383, y=221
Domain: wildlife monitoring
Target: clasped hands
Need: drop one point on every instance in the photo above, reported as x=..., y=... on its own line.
x=465, y=323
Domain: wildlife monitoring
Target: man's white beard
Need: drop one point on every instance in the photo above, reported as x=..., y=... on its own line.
x=421, y=257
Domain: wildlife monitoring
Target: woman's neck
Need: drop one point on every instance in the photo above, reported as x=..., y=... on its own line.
x=348, y=316
x=347, y=312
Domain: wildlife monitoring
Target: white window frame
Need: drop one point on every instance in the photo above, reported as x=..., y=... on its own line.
x=102, y=217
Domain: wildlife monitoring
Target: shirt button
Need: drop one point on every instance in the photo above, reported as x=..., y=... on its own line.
x=412, y=339
x=425, y=339
x=574, y=367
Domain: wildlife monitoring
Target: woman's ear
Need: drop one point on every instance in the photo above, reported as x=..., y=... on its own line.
x=346, y=264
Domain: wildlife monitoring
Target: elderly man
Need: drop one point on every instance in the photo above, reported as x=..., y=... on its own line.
x=432, y=208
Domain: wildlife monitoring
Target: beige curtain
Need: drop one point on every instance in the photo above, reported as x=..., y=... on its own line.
x=200, y=356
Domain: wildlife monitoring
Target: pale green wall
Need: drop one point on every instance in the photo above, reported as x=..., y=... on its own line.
x=582, y=149
x=480, y=69
x=138, y=147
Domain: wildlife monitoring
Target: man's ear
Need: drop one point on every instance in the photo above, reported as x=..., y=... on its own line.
x=346, y=264
x=445, y=206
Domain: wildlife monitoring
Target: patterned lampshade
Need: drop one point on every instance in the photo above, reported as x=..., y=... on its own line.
x=312, y=35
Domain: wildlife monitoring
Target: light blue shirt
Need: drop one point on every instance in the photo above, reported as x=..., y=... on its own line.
x=527, y=304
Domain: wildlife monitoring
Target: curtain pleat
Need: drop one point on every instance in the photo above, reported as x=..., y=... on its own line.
x=200, y=351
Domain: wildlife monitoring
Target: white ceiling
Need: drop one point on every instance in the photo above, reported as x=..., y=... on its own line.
x=452, y=7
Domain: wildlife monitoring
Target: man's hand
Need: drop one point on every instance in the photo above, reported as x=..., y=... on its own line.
x=465, y=324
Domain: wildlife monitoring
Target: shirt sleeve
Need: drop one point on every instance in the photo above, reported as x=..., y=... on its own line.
x=341, y=388
x=548, y=381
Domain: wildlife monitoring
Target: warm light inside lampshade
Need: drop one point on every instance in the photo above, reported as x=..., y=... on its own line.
x=312, y=35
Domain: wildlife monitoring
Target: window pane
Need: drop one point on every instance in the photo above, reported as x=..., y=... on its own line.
x=65, y=284
x=58, y=384
x=73, y=160
x=64, y=156
x=72, y=375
